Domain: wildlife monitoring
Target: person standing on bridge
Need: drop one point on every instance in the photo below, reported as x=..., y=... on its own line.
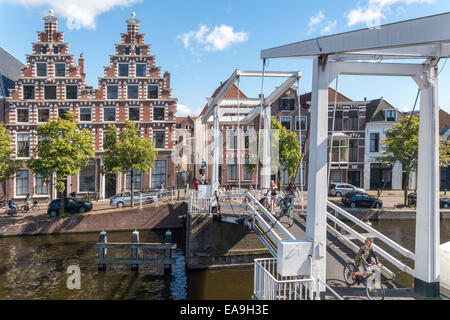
x=364, y=257
x=273, y=197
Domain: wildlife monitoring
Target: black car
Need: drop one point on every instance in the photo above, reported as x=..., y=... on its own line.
x=358, y=199
x=443, y=202
x=72, y=206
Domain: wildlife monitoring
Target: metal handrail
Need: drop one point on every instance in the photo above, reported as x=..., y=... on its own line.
x=331, y=290
x=405, y=252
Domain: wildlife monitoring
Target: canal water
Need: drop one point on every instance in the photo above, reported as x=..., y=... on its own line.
x=35, y=267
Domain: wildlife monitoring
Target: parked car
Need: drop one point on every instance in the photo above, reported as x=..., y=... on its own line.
x=340, y=189
x=124, y=198
x=443, y=202
x=72, y=206
x=358, y=199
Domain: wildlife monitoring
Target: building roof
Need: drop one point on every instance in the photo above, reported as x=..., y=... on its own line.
x=305, y=99
x=10, y=71
x=10, y=66
x=444, y=120
x=232, y=93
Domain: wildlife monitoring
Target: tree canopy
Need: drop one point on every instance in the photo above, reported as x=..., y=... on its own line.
x=63, y=149
x=8, y=165
x=127, y=152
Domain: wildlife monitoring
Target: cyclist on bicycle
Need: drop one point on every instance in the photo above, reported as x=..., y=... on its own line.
x=364, y=255
x=290, y=194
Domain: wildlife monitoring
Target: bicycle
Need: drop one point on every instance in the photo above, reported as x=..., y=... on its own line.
x=374, y=288
x=35, y=206
x=286, y=207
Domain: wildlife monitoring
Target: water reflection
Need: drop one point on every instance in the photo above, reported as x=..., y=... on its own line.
x=35, y=268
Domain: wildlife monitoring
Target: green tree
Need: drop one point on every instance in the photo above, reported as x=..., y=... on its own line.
x=8, y=166
x=63, y=150
x=127, y=153
x=402, y=145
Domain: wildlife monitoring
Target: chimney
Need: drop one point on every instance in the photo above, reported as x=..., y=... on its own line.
x=365, y=98
x=81, y=66
x=167, y=80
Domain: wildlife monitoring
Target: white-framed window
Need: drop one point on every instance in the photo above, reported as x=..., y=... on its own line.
x=286, y=122
x=87, y=178
x=123, y=69
x=41, y=69
x=159, y=139
x=28, y=92
x=231, y=169
x=85, y=114
x=159, y=173
x=287, y=104
x=134, y=113
x=141, y=69
x=109, y=114
x=112, y=92
x=133, y=91
x=60, y=69
x=50, y=92
x=62, y=112
x=374, y=142
x=152, y=91
x=340, y=151
x=159, y=113
x=40, y=185
x=23, y=145
x=23, y=115
x=301, y=123
x=391, y=115
x=71, y=92
x=232, y=140
x=43, y=114
x=247, y=174
x=137, y=180
x=22, y=182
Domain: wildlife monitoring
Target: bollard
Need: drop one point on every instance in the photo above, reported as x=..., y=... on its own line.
x=134, y=251
x=102, y=251
x=168, y=252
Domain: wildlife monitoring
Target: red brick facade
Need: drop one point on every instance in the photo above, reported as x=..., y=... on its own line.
x=132, y=88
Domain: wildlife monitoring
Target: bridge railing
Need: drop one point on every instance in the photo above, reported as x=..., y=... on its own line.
x=200, y=205
x=269, y=285
x=390, y=243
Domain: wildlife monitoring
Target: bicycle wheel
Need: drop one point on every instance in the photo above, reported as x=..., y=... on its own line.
x=349, y=268
x=291, y=215
x=374, y=290
x=35, y=207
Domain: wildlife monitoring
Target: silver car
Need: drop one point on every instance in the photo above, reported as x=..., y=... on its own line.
x=339, y=189
x=124, y=199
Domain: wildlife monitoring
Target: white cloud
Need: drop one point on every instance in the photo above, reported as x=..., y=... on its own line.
x=79, y=13
x=318, y=20
x=183, y=110
x=329, y=27
x=218, y=39
x=314, y=20
x=375, y=10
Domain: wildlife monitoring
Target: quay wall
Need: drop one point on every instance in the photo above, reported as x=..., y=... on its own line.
x=163, y=216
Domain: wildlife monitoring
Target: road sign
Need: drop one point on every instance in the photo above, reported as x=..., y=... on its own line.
x=203, y=164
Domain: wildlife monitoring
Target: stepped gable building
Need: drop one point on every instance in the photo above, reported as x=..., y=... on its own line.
x=132, y=88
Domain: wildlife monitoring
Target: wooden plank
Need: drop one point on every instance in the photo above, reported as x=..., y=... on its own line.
x=365, y=235
x=133, y=261
x=131, y=245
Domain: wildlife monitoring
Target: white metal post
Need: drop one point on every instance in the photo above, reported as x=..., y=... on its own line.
x=317, y=176
x=427, y=271
x=266, y=167
x=215, y=152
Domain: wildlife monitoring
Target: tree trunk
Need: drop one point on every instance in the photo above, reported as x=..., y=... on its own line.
x=132, y=188
x=405, y=188
x=63, y=198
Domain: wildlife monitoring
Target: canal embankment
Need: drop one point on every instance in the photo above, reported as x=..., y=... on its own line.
x=153, y=217
x=211, y=244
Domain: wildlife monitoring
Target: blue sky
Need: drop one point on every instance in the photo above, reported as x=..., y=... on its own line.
x=202, y=42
